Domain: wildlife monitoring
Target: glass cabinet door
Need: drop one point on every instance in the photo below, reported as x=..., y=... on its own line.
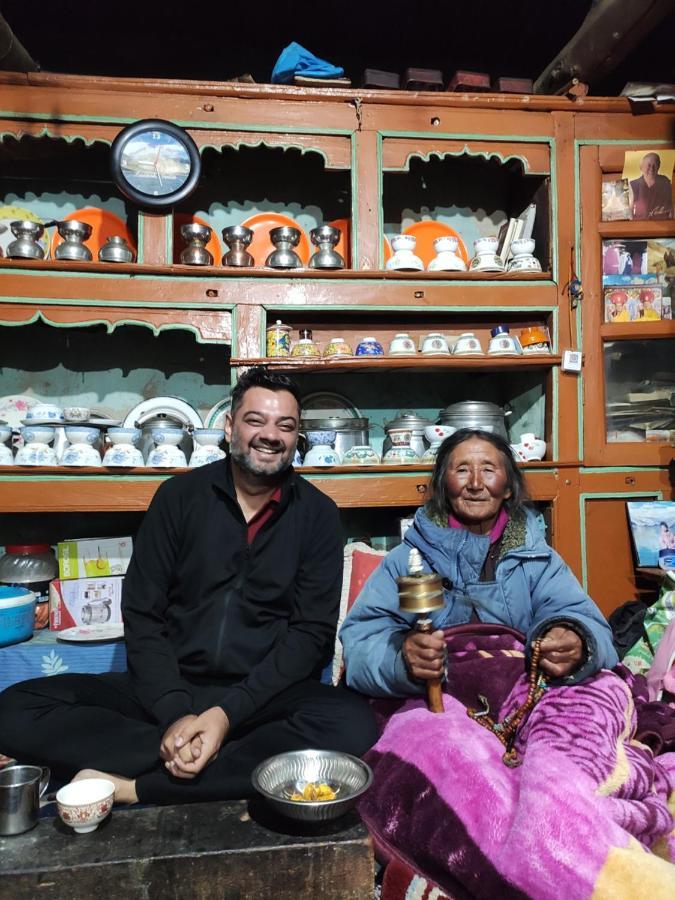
x=628, y=276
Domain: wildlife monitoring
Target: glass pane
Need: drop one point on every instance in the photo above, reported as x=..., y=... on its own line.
x=640, y=391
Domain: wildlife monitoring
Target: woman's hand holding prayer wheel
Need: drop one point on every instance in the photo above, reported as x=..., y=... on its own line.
x=424, y=655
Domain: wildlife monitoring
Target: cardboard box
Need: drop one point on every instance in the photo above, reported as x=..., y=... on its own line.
x=85, y=601
x=93, y=557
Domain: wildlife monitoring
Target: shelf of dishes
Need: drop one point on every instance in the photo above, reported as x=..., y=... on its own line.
x=532, y=341
x=265, y=241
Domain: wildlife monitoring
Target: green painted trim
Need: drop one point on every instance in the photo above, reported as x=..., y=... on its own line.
x=430, y=310
x=555, y=410
x=602, y=495
x=380, y=202
x=68, y=301
x=140, y=237
x=234, y=346
x=263, y=143
x=553, y=194
x=467, y=136
x=465, y=151
x=590, y=470
x=579, y=310
x=111, y=326
x=50, y=130
x=587, y=141
x=190, y=279
x=189, y=124
x=104, y=476
x=354, y=186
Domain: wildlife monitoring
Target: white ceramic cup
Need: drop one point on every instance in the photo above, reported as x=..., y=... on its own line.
x=434, y=342
x=402, y=344
x=84, y=804
x=502, y=343
x=467, y=343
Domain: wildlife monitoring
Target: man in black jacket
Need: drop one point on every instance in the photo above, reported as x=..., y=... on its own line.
x=230, y=606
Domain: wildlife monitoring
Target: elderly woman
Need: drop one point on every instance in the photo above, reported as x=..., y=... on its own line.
x=554, y=796
x=478, y=534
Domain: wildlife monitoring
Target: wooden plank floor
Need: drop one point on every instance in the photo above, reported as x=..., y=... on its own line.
x=190, y=852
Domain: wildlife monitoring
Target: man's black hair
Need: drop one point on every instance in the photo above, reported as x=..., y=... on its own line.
x=438, y=503
x=259, y=376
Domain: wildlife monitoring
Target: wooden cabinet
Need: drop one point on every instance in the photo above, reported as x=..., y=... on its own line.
x=375, y=162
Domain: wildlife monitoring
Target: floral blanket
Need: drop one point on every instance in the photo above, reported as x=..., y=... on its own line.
x=586, y=814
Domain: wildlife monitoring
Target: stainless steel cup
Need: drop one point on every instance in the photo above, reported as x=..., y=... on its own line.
x=20, y=790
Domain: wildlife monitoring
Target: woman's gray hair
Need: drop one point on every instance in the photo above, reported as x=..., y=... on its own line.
x=438, y=504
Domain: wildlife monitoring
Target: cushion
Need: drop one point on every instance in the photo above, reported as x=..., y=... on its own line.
x=360, y=561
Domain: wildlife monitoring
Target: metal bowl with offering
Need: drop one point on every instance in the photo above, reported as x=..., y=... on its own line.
x=312, y=785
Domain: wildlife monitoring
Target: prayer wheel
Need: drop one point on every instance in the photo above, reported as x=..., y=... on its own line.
x=421, y=593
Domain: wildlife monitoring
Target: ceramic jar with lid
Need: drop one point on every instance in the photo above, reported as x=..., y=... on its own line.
x=305, y=346
x=407, y=423
x=278, y=339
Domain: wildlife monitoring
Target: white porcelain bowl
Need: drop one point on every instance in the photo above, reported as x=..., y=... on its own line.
x=84, y=804
x=119, y=435
x=45, y=412
x=437, y=433
x=167, y=435
x=322, y=455
x=82, y=434
x=5, y=433
x=37, y=434
x=208, y=436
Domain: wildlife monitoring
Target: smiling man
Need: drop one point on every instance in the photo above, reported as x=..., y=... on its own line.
x=230, y=607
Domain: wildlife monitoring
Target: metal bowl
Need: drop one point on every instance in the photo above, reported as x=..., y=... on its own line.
x=278, y=776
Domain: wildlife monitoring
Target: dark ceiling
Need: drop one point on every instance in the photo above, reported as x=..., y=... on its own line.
x=218, y=40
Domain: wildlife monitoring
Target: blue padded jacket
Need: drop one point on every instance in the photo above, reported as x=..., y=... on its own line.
x=533, y=591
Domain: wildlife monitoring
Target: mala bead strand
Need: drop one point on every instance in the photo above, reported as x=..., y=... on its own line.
x=506, y=731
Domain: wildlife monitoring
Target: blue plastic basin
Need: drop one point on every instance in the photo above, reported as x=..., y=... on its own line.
x=17, y=615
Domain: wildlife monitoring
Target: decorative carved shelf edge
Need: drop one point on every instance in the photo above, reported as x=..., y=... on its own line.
x=208, y=326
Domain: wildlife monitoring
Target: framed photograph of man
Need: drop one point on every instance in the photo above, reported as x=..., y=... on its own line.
x=650, y=183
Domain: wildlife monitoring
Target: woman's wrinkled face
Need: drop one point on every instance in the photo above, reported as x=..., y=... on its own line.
x=476, y=483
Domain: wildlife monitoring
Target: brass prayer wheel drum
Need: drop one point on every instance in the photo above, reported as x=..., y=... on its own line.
x=420, y=594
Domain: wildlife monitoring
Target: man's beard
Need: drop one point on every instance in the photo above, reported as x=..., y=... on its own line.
x=242, y=456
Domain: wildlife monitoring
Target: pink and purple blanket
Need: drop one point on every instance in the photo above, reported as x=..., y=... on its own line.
x=586, y=814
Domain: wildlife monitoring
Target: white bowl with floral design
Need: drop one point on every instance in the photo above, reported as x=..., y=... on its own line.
x=84, y=804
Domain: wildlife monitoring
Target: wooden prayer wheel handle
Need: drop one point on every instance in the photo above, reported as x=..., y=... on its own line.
x=434, y=691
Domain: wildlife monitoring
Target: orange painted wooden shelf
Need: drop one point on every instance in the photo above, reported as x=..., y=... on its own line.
x=60, y=489
x=637, y=331
x=644, y=228
x=177, y=270
x=387, y=363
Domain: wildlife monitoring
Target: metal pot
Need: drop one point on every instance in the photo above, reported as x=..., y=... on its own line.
x=407, y=422
x=348, y=432
x=476, y=414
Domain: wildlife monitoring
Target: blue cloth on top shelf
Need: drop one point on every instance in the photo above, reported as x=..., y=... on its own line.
x=295, y=60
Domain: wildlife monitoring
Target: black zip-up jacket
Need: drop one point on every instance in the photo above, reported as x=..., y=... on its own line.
x=202, y=607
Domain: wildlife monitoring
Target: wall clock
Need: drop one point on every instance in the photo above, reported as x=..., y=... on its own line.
x=155, y=163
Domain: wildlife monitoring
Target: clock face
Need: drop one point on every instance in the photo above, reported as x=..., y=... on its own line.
x=155, y=163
